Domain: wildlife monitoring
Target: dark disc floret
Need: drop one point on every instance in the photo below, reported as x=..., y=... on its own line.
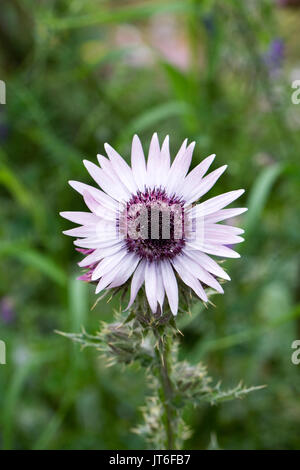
x=153, y=225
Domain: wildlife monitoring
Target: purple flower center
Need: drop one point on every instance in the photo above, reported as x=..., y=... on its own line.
x=153, y=225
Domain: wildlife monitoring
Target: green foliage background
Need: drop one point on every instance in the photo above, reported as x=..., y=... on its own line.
x=71, y=87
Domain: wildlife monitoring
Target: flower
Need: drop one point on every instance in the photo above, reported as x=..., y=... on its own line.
x=144, y=223
x=274, y=56
x=7, y=311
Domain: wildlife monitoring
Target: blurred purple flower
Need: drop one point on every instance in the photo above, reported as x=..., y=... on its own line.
x=7, y=311
x=274, y=56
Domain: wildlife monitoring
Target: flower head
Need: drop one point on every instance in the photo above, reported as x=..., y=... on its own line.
x=145, y=224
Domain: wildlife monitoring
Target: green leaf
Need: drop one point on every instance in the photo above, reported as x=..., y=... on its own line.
x=13, y=393
x=20, y=192
x=218, y=396
x=34, y=259
x=78, y=303
x=259, y=195
x=243, y=336
x=152, y=117
x=115, y=15
x=181, y=83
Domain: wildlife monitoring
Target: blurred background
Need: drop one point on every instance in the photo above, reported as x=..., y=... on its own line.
x=81, y=73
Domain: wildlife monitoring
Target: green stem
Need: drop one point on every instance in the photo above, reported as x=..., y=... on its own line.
x=163, y=353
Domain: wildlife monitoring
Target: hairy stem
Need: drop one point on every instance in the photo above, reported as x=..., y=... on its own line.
x=163, y=353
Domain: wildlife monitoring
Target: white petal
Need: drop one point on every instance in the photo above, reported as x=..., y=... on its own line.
x=97, y=208
x=224, y=214
x=189, y=279
x=207, y=263
x=137, y=281
x=115, y=277
x=223, y=228
x=153, y=161
x=223, y=237
x=94, y=243
x=196, y=270
x=180, y=167
x=106, y=248
x=193, y=179
x=194, y=193
x=150, y=285
x=216, y=203
x=105, y=281
x=82, y=231
x=107, y=167
x=107, y=255
x=107, y=263
x=217, y=250
x=138, y=163
x=92, y=258
x=82, y=218
x=170, y=285
x=98, y=239
x=121, y=168
x=124, y=272
x=99, y=195
x=118, y=192
x=160, y=287
x=164, y=164
x=180, y=162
